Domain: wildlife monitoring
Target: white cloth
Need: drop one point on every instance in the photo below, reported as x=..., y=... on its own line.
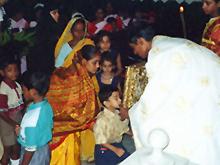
x=100, y=26
x=109, y=128
x=180, y=1
x=145, y=157
x=2, y=13
x=183, y=98
x=21, y=24
x=13, y=99
x=1, y=149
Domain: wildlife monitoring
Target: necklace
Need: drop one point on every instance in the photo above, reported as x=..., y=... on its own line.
x=107, y=78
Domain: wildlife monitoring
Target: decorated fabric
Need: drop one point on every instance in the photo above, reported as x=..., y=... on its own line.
x=135, y=82
x=10, y=96
x=36, y=126
x=211, y=35
x=74, y=101
x=109, y=128
x=182, y=97
x=65, y=38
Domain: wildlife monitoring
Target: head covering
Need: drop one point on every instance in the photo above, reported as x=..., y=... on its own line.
x=78, y=14
x=66, y=37
x=39, y=5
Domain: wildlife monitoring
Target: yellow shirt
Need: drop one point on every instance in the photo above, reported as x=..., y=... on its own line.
x=109, y=128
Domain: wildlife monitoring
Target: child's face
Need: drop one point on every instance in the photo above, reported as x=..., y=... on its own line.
x=105, y=43
x=11, y=72
x=26, y=94
x=114, y=100
x=107, y=67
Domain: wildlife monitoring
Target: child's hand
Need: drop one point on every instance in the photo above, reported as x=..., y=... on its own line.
x=119, y=152
x=123, y=113
x=17, y=129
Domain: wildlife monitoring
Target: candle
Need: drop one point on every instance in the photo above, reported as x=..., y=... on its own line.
x=181, y=10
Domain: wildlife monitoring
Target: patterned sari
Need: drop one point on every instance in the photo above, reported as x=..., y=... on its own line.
x=211, y=35
x=74, y=101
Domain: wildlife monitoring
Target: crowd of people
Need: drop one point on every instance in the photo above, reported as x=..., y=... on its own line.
x=61, y=104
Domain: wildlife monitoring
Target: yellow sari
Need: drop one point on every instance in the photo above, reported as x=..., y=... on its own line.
x=73, y=98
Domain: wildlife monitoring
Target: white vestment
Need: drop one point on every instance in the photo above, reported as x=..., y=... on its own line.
x=183, y=98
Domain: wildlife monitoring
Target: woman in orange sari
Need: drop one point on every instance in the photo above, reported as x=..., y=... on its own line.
x=211, y=34
x=72, y=95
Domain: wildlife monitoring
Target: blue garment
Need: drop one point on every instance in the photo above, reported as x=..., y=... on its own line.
x=64, y=51
x=36, y=126
x=104, y=156
x=40, y=157
x=114, y=84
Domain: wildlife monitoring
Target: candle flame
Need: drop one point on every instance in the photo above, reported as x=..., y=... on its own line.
x=181, y=9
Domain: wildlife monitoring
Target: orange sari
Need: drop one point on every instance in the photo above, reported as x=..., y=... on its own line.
x=73, y=98
x=211, y=35
x=74, y=102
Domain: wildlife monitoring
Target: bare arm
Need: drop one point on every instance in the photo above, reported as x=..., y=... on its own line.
x=119, y=65
x=8, y=119
x=27, y=157
x=116, y=150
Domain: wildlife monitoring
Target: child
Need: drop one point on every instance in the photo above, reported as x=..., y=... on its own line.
x=36, y=126
x=11, y=104
x=103, y=42
x=108, y=130
x=107, y=77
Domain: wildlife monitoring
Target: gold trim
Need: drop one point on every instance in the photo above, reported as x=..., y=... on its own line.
x=208, y=41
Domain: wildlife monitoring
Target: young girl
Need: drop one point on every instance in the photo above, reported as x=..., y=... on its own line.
x=103, y=42
x=211, y=34
x=11, y=104
x=107, y=76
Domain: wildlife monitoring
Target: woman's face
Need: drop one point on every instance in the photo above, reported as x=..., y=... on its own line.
x=92, y=65
x=105, y=43
x=78, y=31
x=210, y=7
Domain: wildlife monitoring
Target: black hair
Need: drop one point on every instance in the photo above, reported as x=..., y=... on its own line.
x=100, y=36
x=7, y=60
x=111, y=20
x=36, y=80
x=88, y=52
x=107, y=56
x=140, y=29
x=105, y=93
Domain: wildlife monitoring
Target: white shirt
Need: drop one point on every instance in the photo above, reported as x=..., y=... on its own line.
x=14, y=100
x=109, y=128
